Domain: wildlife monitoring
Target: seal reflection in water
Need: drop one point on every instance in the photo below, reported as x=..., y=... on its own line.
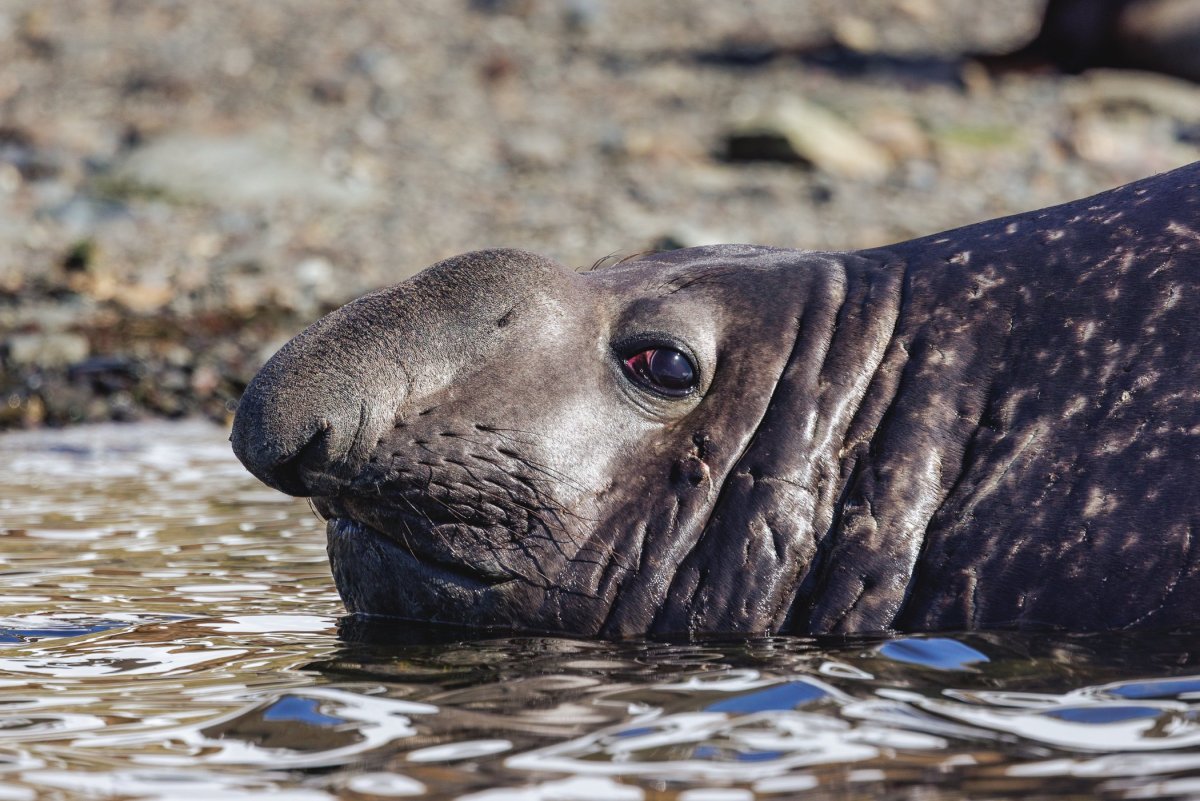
x=992, y=427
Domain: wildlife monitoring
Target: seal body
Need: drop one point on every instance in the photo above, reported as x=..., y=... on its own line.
x=1075, y=35
x=998, y=426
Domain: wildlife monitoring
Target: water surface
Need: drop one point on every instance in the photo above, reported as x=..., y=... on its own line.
x=169, y=629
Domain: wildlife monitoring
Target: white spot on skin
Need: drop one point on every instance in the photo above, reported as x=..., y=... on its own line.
x=942, y=357
x=1097, y=503
x=1012, y=228
x=1180, y=229
x=1077, y=405
x=985, y=283
x=1146, y=380
x=1084, y=332
x=1054, y=236
x=1174, y=293
x=1166, y=265
x=1009, y=410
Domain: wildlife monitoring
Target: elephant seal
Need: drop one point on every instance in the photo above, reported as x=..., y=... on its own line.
x=1075, y=35
x=997, y=426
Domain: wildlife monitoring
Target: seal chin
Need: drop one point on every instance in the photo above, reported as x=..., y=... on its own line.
x=377, y=574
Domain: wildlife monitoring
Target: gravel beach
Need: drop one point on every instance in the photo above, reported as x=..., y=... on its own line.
x=183, y=186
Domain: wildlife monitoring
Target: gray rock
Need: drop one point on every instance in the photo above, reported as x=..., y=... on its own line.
x=582, y=15
x=45, y=316
x=81, y=215
x=253, y=169
x=535, y=149
x=686, y=236
x=1109, y=91
x=47, y=350
x=794, y=129
x=317, y=285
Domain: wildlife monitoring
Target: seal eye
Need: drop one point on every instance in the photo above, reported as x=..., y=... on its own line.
x=664, y=370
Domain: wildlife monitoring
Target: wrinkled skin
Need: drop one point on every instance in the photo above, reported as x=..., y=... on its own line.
x=997, y=426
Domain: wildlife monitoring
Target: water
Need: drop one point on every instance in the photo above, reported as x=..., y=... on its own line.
x=168, y=629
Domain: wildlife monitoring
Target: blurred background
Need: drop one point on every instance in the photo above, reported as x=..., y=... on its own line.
x=184, y=185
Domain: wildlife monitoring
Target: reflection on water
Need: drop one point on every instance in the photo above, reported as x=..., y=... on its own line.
x=169, y=630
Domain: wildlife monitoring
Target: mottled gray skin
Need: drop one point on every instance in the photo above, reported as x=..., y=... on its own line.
x=996, y=426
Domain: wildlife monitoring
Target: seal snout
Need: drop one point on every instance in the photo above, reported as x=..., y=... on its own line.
x=310, y=420
x=306, y=471
x=303, y=452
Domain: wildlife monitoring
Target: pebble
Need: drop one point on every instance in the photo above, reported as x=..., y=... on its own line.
x=46, y=351
x=897, y=132
x=535, y=149
x=248, y=169
x=581, y=16
x=795, y=129
x=1115, y=91
x=685, y=236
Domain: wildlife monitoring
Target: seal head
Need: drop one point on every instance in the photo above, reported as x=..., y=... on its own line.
x=507, y=443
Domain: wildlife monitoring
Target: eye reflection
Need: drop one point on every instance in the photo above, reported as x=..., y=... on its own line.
x=664, y=370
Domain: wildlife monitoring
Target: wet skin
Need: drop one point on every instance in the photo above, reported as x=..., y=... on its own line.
x=996, y=426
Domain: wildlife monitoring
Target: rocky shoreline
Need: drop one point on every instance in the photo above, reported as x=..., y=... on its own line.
x=121, y=367
x=185, y=186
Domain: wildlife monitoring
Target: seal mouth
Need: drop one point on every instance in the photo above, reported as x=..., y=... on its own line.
x=406, y=551
x=377, y=576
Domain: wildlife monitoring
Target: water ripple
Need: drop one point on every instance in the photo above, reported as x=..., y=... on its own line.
x=170, y=631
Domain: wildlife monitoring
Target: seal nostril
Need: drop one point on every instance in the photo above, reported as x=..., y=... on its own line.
x=287, y=474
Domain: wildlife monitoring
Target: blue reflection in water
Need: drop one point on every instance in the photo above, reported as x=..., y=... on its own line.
x=636, y=732
x=1102, y=713
x=1165, y=688
x=781, y=696
x=22, y=634
x=759, y=756
x=713, y=752
x=302, y=710
x=936, y=652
